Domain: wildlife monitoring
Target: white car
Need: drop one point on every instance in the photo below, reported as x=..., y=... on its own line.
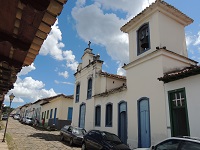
x=29, y=120
x=16, y=116
x=176, y=143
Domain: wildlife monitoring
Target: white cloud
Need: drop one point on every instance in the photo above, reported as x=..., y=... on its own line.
x=94, y=24
x=15, y=100
x=197, y=41
x=70, y=59
x=102, y=29
x=53, y=46
x=105, y=64
x=30, y=90
x=65, y=74
x=25, y=70
x=68, y=83
x=132, y=8
x=120, y=70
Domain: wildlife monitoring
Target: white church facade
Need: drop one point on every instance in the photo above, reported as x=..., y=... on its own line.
x=158, y=97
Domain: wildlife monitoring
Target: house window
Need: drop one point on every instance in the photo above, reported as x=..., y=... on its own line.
x=70, y=112
x=89, y=90
x=97, y=116
x=77, y=92
x=51, y=112
x=109, y=115
x=178, y=112
x=143, y=38
x=47, y=114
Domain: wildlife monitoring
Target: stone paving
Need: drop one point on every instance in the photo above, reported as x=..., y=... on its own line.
x=26, y=137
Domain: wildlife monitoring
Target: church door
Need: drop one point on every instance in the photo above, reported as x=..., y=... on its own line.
x=122, y=129
x=143, y=123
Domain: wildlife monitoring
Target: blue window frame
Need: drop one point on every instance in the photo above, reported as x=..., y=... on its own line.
x=98, y=115
x=89, y=89
x=109, y=113
x=77, y=92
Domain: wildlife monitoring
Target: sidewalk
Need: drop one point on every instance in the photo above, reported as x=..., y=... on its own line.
x=3, y=145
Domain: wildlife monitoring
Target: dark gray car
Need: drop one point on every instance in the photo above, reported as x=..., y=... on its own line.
x=72, y=134
x=102, y=140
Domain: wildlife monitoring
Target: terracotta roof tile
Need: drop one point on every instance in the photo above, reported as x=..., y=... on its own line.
x=113, y=75
x=115, y=90
x=46, y=100
x=180, y=74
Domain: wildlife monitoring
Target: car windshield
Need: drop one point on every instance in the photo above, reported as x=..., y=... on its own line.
x=78, y=131
x=111, y=137
x=29, y=118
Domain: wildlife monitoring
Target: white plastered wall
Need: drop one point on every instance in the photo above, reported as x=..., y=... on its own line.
x=192, y=86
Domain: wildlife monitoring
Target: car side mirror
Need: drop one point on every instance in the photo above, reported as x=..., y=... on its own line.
x=152, y=147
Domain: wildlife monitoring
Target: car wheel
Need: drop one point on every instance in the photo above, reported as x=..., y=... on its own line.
x=83, y=147
x=71, y=142
x=61, y=137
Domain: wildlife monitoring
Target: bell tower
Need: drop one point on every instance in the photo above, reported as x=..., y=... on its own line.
x=158, y=26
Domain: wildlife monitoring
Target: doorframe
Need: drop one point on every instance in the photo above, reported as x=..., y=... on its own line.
x=80, y=114
x=139, y=125
x=121, y=102
x=170, y=110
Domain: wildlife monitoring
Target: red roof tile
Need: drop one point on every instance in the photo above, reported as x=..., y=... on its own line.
x=180, y=74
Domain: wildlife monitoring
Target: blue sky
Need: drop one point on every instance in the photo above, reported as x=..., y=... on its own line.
x=98, y=21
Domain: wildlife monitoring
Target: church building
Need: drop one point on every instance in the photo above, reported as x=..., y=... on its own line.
x=158, y=97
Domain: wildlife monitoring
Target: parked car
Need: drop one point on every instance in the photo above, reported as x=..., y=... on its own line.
x=72, y=134
x=102, y=140
x=4, y=117
x=16, y=116
x=29, y=121
x=176, y=143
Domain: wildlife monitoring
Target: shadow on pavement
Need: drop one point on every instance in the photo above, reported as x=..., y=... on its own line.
x=67, y=143
x=46, y=136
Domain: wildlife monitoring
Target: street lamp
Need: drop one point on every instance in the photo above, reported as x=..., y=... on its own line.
x=11, y=99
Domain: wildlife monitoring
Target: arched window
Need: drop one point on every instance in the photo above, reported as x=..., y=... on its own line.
x=77, y=92
x=89, y=90
x=98, y=115
x=109, y=115
x=143, y=38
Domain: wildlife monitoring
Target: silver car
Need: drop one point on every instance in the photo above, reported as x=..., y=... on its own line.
x=29, y=120
x=176, y=143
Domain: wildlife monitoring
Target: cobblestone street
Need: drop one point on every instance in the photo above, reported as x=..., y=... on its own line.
x=26, y=137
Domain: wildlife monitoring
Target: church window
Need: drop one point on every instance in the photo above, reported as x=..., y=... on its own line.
x=98, y=115
x=89, y=90
x=109, y=115
x=77, y=92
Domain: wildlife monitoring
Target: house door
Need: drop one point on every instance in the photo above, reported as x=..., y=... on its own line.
x=82, y=116
x=122, y=131
x=54, y=119
x=144, y=123
x=178, y=113
x=70, y=110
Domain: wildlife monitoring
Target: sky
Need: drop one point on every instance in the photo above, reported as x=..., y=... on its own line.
x=81, y=21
